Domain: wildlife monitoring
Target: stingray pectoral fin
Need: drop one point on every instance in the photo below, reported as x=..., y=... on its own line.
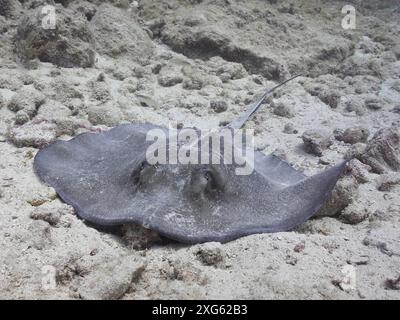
x=310, y=194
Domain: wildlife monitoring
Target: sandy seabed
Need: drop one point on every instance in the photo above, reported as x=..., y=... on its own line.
x=199, y=63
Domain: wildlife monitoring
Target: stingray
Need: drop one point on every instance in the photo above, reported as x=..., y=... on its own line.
x=109, y=181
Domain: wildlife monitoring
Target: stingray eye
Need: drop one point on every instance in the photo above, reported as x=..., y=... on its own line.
x=137, y=173
x=211, y=181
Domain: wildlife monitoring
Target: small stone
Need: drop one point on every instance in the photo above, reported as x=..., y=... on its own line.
x=2, y=102
x=374, y=103
x=192, y=102
x=185, y=271
x=105, y=114
x=393, y=284
x=316, y=140
x=55, y=73
x=54, y=213
x=354, y=214
x=225, y=77
x=118, y=34
x=355, y=151
x=358, y=170
x=21, y=117
x=338, y=134
x=193, y=83
x=169, y=80
x=283, y=109
x=396, y=51
x=139, y=71
x=289, y=259
x=40, y=198
x=219, y=106
x=377, y=243
x=330, y=96
x=210, y=253
x=359, y=260
x=396, y=109
x=111, y=279
x=100, y=92
x=387, y=182
x=36, y=202
x=156, y=68
x=280, y=153
x=101, y=77
x=53, y=111
x=192, y=20
x=383, y=151
x=324, y=161
x=367, y=45
x=38, y=235
x=139, y=238
x=33, y=134
x=344, y=193
x=52, y=218
x=354, y=135
x=64, y=90
x=69, y=45
x=195, y=79
x=27, y=79
x=290, y=129
x=299, y=247
x=27, y=99
x=355, y=104
x=9, y=8
x=223, y=123
x=288, y=8
x=231, y=71
x=258, y=79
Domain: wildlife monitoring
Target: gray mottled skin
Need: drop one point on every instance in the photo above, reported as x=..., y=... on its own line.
x=106, y=178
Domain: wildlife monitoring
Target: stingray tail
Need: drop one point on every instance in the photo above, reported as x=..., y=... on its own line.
x=252, y=109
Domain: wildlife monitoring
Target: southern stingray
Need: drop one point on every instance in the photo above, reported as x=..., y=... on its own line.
x=108, y=179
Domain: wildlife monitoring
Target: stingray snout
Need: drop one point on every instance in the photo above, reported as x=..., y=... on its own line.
x=206, y=181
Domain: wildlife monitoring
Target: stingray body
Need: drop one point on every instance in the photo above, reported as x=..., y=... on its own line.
x=106, y=177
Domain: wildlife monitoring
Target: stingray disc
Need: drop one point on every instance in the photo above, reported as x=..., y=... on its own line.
x=106, y=178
